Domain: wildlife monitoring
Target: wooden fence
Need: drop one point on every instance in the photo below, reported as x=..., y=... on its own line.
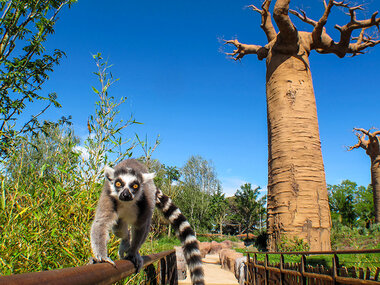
x=264, y=272
x=165, y=272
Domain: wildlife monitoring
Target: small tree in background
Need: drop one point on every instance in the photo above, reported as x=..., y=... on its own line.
x=342, y=201
x=364, y=206
x=24, y=63
x=219, y=209
x=199, y=182
x=248, y=207
x=351, y=205
x=372, y=148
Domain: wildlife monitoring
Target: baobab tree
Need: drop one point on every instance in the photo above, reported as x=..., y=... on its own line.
x=372, y=148
x=297, y=194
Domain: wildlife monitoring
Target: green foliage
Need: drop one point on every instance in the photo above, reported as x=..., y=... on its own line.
x=24, y=63
x=248, y=208
x=344, y=237
x=199, y=182
x=351, y=205
x=292, y=244
x=210, y=238
x=45, y=217
x=105, y=141
x=218, y=209
x=49, y=191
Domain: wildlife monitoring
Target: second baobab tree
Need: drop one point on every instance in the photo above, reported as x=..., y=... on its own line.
x=372, y=148
x=297, y=194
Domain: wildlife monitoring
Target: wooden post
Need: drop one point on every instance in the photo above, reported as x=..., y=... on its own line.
x=282, y=275
x=248, y=272
x=335, y=268
x=254, y=269
x=172, y=269
x=163, y=271
x=150, y=271
x=266, y=262
x=302, y=269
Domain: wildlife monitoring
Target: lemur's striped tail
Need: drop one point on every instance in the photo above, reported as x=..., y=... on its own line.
x=186, y=234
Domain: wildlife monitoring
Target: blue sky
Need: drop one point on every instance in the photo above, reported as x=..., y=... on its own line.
x=167, y=55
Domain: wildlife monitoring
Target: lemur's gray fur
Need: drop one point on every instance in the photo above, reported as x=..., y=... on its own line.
x=128, y=198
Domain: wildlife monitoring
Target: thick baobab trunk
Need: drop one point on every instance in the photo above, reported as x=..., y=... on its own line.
x=375, y=182
x=372, y=148
x=297, y=194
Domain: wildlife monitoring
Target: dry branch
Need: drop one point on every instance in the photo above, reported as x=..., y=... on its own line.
x=323, y=43
x=243, y=49
x=361, y=135
x=266, y=20
x=288, y=32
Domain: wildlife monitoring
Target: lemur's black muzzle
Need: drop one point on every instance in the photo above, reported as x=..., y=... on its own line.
x=125, y=196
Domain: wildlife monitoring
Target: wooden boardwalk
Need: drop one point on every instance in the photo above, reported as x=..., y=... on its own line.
x=214, y=274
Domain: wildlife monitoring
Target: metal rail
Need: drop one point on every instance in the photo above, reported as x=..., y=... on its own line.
x=358, y=251
x=270, y=274
x=101, y=273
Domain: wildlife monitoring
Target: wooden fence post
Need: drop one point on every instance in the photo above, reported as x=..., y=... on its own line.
x=163, y=271
x=266, y=263
x=172, y=269
x=248, y=272
x=335, y=268
x=282, y=275
x=255, y=271
x=150, y=271
x=302, y=269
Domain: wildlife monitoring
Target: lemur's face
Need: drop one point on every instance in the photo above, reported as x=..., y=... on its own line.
x=126, y=184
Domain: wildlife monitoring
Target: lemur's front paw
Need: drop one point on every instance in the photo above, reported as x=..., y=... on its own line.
x=99, y=259
x=136, y=259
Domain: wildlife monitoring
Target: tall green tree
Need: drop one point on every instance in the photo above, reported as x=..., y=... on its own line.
x=341, y=200
x=351, y=205
x=199, y=182
x=219, y=209
x=364, y=206
x=24, y=63
x=171, y=175
x=249, y=207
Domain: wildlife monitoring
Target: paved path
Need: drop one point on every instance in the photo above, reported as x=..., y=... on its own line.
x=214, y=274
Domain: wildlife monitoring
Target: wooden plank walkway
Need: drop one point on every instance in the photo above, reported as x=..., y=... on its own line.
x=214, y=274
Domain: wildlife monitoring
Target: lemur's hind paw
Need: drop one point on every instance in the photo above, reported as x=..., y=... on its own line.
x=94, y=260
x=136, y=260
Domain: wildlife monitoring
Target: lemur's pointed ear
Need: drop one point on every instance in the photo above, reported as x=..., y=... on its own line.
x=148, y=176
x=109, y=172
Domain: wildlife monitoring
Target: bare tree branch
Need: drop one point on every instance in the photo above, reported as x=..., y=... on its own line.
x=266, y=20
x=243, y=49
x=303, y=17
x=344, y=45
x=362, y=142
x=323, y=43
x=362, y=130
x=320, y=26
x=371, y=145
x=288, y=32
x=377, y=133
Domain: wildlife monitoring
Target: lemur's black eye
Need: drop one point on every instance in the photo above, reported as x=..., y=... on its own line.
x=135, y=186
x=118, y=184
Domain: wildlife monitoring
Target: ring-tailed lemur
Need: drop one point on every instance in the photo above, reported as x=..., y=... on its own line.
x=128, y=198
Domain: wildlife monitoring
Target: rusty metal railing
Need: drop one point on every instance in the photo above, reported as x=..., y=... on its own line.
x=264, y=272
x=102, y=273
